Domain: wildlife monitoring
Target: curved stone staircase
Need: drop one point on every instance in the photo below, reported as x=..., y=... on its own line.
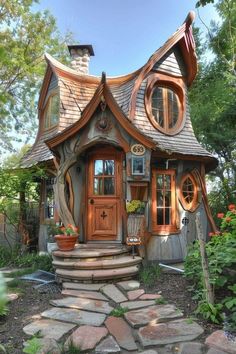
x=95, y=262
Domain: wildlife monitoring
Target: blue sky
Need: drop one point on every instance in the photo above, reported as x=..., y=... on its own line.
x=124, y=33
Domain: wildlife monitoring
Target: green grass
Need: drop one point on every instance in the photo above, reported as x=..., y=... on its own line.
x=119, y=311
x=161, y=301
x=148, y=275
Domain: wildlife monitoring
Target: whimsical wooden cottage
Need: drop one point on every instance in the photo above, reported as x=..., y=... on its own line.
x=106, y=140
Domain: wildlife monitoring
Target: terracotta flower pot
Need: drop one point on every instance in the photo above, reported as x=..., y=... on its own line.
x=66, y=243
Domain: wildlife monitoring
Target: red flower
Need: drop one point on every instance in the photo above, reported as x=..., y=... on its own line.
x=62, y=228
x=220, y=215
x=228, y=219
x=231, y=207
x=211, y=234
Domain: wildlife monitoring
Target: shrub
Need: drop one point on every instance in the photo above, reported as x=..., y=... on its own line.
x=221, y=252
x=3, y=296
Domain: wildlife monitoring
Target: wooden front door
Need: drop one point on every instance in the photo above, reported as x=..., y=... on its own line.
x=104, y=193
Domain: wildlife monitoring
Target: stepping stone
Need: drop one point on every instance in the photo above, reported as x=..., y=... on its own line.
x=113, y=293
x=108, y=345
x=86, y=337
x=191, y=347
x=132, y=305
x=83, y=304
x=215, y=351
x=84, y=294
x=82, y=286
x=169, y=332
x=218, y=340
x=150, y=297
x=78, y=317
x=153, y=314
x=150, y=351
x=12, y=297
x=128, y=285
x=48, y=328
x=134, y=294
x=122, y=332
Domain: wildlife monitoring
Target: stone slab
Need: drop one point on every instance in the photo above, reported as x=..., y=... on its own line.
x=83, y=304
x=128, y=285
x=82, y=286
x=133, y=305
x=134, y=294
x=191, y=347
x=113, y=293
x=219, y=341
x=153, y=314
x=48, y=328
x=150, y=297
x=215, y=351
x=122, y=332
x=150, y=351
x=84, y=294
x=169, y=332
x=108, y=345
x=78, y=317
x=86, y=337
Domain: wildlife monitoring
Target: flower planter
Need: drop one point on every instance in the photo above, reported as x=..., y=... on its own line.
x=66, y=243
x=135, y=225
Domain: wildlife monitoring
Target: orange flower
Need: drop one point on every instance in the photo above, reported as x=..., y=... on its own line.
x=231, y=207
x=211, y=234
x=220, y=215
x=62, y=228
x=228, y=219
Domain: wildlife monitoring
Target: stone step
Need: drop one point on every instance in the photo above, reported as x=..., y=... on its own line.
x=121, y=262
x=99, y=274
x=91, y=253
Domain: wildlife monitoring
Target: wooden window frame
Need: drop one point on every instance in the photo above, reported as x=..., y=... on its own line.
x=47, y=108
x=171, y=83
x=165, y=229
x=192, y=206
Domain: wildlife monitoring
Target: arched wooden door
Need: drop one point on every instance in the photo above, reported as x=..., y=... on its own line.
x=104, y=195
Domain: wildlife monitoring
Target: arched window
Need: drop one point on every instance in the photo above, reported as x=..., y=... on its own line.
x=164, y=102
x=189, y=192
x=51, y=113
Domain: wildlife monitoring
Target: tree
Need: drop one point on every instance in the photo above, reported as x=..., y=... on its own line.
x=213, y=103
x=24, y=37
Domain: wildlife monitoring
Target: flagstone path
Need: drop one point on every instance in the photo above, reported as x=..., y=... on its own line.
x=86, y=318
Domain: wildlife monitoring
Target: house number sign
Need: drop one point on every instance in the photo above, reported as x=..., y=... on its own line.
x=138, y=149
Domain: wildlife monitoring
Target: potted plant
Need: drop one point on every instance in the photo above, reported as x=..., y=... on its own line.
x=136, y=219
x=66, y=237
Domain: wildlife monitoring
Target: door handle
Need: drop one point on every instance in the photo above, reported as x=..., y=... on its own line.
x=91, y=201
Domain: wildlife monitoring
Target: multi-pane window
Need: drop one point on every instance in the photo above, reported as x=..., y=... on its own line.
x=189, y=192
x=165, y=108
x=51, y=115
x=104, y=177
x=163, y=200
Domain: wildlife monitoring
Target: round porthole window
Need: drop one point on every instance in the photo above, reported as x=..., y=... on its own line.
x=189, y=192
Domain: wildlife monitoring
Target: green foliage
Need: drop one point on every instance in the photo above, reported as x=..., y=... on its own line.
x=72, y=349
x=119, y=311
x=213, y=104
x=32, y=260
x=161, y=301
x=135, y=207
x=33, y=346
x=3, y=296
x=25, y=35
x=221, y=252
x=148, y=275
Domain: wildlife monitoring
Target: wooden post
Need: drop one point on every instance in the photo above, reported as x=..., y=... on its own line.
x=204, y=260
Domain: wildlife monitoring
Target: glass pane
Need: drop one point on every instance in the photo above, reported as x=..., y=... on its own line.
x=167, y=216
x=160, y=201
x=109, y=185
x=159, y=181
x=167, y=182
x=167, y=199
x=109, y=167
x=160, y=216
x=158, y=106
x=98, y=167
x=173, y=109
x=98, y=186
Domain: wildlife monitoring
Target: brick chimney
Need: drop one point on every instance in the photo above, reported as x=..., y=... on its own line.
x=80, y=57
